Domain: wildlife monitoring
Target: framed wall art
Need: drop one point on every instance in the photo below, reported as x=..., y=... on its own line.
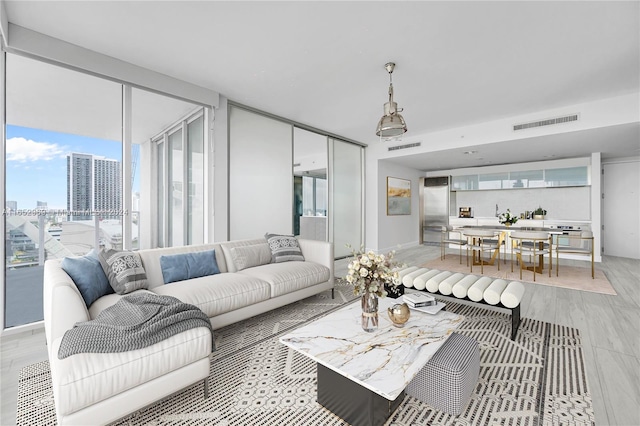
x=398, y=196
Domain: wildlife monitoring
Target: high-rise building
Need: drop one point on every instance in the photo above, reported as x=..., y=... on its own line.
x=93, y=184
x=11, y=205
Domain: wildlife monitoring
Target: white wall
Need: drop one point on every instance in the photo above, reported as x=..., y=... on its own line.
x=398, y=230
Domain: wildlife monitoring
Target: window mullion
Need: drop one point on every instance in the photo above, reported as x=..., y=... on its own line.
x=186, y=238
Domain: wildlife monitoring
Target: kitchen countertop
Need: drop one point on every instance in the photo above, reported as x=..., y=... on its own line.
x=545, y=220
x=514, y=228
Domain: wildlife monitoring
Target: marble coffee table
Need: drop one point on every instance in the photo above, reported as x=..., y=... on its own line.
x=362, y=376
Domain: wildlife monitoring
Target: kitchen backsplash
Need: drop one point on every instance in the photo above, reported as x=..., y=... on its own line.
x=572, y=203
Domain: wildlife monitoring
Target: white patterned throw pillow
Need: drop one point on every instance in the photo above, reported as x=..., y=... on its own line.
x=124, y=270
x=284, y=248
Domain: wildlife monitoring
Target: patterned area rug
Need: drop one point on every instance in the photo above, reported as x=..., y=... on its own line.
x=538, y=379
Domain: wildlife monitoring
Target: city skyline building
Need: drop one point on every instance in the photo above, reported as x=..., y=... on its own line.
x=94, y=183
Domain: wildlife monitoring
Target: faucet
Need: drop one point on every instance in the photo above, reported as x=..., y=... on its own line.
x=497, y=214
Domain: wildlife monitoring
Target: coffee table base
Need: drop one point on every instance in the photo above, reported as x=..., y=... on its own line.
x=351, y=402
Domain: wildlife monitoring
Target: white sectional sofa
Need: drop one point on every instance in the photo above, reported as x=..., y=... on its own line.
x=98, y=388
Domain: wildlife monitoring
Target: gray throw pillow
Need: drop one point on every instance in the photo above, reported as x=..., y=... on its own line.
x=284, y=248
x=124, y=270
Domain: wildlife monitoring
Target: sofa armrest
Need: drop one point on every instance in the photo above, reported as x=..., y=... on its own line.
x=63, y=303
x=320, y=252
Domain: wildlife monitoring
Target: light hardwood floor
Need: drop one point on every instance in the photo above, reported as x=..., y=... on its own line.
x=609, y=326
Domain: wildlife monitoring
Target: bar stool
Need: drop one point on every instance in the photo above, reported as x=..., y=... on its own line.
x=534, y=244
x=477, y=242
x=445, y=239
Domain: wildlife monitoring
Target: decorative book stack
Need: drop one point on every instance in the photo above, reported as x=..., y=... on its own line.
x=419, y=300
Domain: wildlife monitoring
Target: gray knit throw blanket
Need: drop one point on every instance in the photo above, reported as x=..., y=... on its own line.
x=134, y=322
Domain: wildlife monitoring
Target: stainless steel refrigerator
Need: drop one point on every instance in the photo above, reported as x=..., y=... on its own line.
x=435, y=205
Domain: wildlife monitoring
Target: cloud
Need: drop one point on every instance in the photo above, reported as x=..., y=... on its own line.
x=24, y=150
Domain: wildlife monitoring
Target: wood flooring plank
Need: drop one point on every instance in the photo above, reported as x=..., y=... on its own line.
x=570, y=309
x=620, y=378
x=542, y=305
x=615, y=330
x=593, y=379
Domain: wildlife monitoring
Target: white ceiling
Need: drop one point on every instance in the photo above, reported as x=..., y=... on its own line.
x=322, y=63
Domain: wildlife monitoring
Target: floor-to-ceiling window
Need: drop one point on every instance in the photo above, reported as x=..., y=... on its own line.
x=71, y=139
x=63, y=175
x=180, y=177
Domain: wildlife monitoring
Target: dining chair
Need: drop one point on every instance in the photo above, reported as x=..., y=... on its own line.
x=502, y=242
x=532, y=244
x=584, y=248
x=446, y=239
x=478, y=240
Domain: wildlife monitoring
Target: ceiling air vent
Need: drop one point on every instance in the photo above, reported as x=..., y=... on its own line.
x=409, y=145
x=549, y=122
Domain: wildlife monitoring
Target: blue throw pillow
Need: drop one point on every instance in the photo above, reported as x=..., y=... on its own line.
x=179, y=267
x=86, y=272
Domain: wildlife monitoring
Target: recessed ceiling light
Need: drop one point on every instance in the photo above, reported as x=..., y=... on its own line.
x=470, y=152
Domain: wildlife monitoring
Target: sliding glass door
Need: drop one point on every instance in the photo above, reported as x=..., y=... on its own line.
x=310, y=156
x=346, y=211
x=260, y=175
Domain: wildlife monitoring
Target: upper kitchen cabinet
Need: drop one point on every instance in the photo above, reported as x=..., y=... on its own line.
x=464, y=183
x=570, y=176
x=542, y=178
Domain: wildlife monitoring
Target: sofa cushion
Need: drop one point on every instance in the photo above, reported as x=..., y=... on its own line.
x=229, y=245
x=88, y=275
x=85, y=379
x=218, y=294
x=284, y=248
x=124, y=270
x=290, y=276
x=184, y=266
x=249, y=256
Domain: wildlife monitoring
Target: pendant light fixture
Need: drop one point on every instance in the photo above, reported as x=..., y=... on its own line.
x=391, y=125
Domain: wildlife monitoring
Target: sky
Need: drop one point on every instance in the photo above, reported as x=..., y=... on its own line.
x=36, y=164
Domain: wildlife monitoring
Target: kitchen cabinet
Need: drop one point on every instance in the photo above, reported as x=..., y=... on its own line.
x=542, y=178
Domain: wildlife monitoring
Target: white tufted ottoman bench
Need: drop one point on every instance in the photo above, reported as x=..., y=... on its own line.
x=448, y=379
x=484, y=290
